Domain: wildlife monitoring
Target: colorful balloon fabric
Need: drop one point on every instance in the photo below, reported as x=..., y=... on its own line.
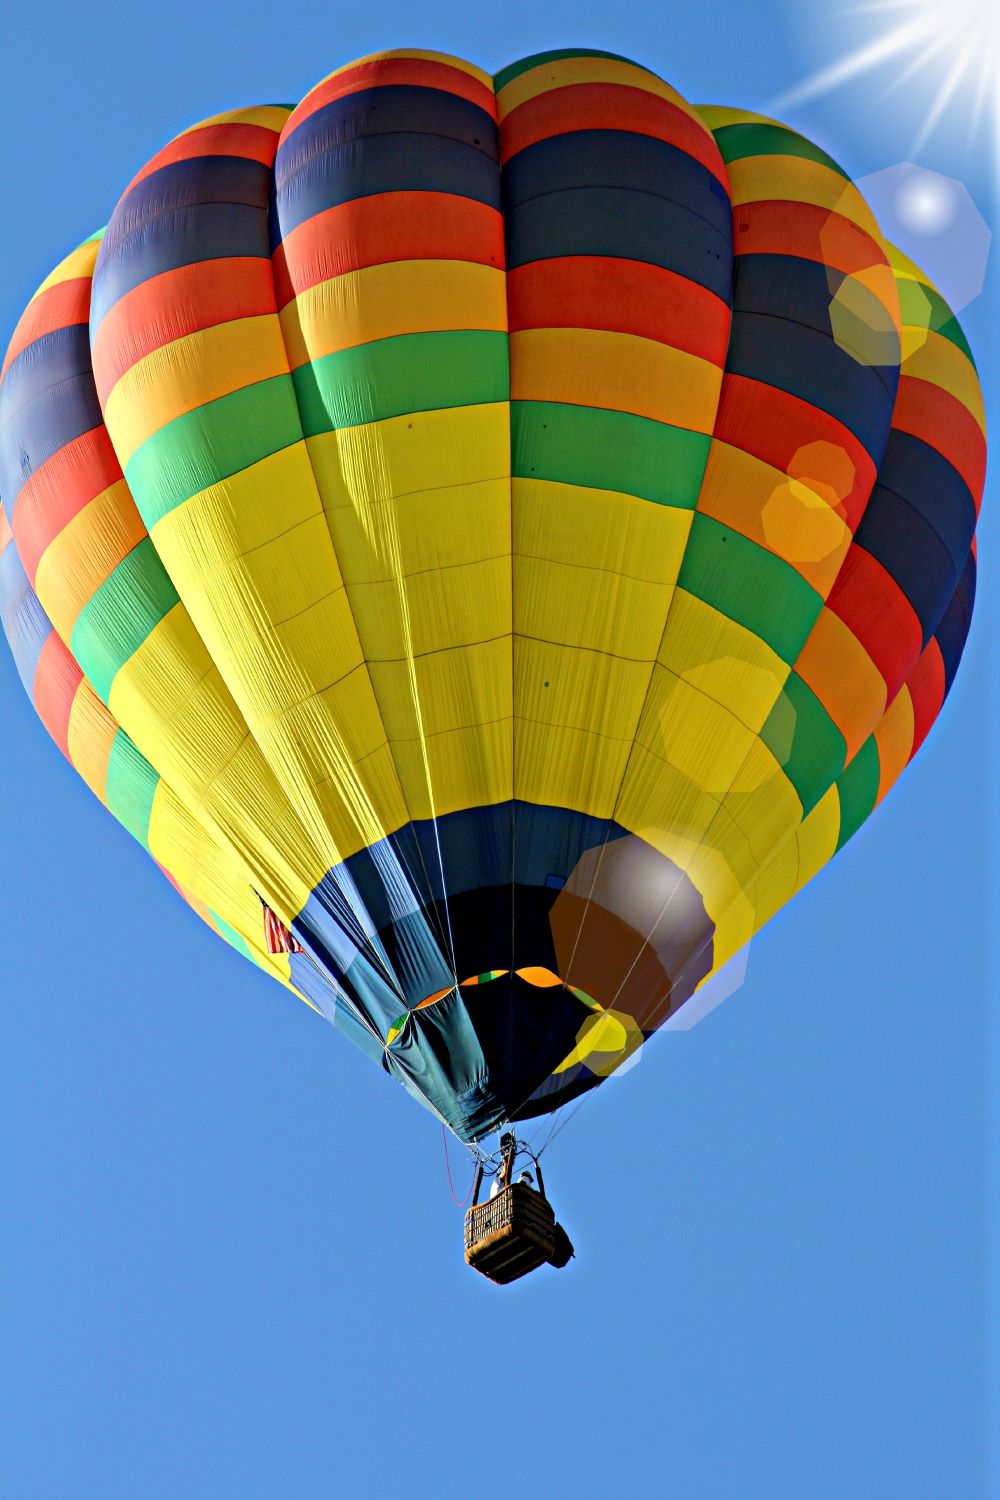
x=503, y=534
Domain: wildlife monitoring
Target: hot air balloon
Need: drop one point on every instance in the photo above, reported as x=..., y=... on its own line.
x=492, y=540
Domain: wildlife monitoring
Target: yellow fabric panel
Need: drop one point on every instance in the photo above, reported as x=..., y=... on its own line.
x=397, y=297
x=174, y=705
x=190, y=372
x=568, y=687
x=617, y=371
x=762, y=801
x=90, y=736
x=793, y=517
x=722, y=659
x=425, y=450
x=583, y=607
x=460, y=768
x=418, y=55
x=894, y=738
x=450, y=688
x=79, y=263
x=568, y=767
x=715, y=116
x=817, y=836
x=397, y=621
x=560, y=72
x=268, y=116
x=210, y=879
x=226, y=532
x=796, y=179
x=844, y=678
x=599, y=529
x=277, y=622
x=693, y=733
x=425, y=531
x=658, y=798
x=775, y=884
x=930, y=356
x=81, y=556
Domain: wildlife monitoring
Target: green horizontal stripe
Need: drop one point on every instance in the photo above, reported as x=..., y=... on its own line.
x=211, y=443
x=922, y=307
x=514, y=70
x=857, y=787
x=130, y=787
x=411, y=372
x=738, y=141
x=804, y=741
x=607, y=450
x=117, y=619
x=750, y=585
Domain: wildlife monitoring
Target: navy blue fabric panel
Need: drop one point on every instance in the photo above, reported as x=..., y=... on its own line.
x=549, y=841
x=474, y=848
x=911, y=551
x=40, y=429
x=953, y=628
x=524, y=1033
x=811, y=366
x=180, y=237
x=966, y=590
x=26, y=625
x=621, y=222
x=55, y=357
x=786, y=286
x=387, y=164
x=188, y=184
x=616, y=159
x=924, y=477
x=391, y=110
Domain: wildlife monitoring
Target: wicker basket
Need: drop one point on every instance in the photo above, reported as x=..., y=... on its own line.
x=509, y=1235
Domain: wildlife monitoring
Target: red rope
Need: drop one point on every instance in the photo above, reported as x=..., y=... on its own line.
x=451, y=1185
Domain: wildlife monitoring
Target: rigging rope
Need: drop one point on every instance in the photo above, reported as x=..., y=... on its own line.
x=451, y=1185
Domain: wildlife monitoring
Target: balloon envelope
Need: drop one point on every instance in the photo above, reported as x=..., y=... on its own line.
x=492, y=540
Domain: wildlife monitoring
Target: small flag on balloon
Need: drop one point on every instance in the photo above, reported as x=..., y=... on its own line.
x=277, y=937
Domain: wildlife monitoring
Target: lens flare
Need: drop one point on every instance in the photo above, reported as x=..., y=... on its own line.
x=953, y=44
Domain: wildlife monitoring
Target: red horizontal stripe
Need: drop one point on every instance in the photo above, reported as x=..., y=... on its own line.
x=804, y=230
x=872, y=605
x=61, y=306
x=174, y=304
x=623, y=296
x=775, y=426
x=57, y=491
x=379, y=72
x=57, y=678
x=386, y=227
x=255, y=142
x=608, y=106
x=928, y=412
x=926, y=688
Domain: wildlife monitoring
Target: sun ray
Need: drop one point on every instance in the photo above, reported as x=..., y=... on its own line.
x=921, y=61
x=961, y=36
x=852, y=66
x=956, y=74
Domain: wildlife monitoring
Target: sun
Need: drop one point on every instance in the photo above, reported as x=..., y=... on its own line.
x=951, y=45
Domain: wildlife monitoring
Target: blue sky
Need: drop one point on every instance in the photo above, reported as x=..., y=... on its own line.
x=230, y=1263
